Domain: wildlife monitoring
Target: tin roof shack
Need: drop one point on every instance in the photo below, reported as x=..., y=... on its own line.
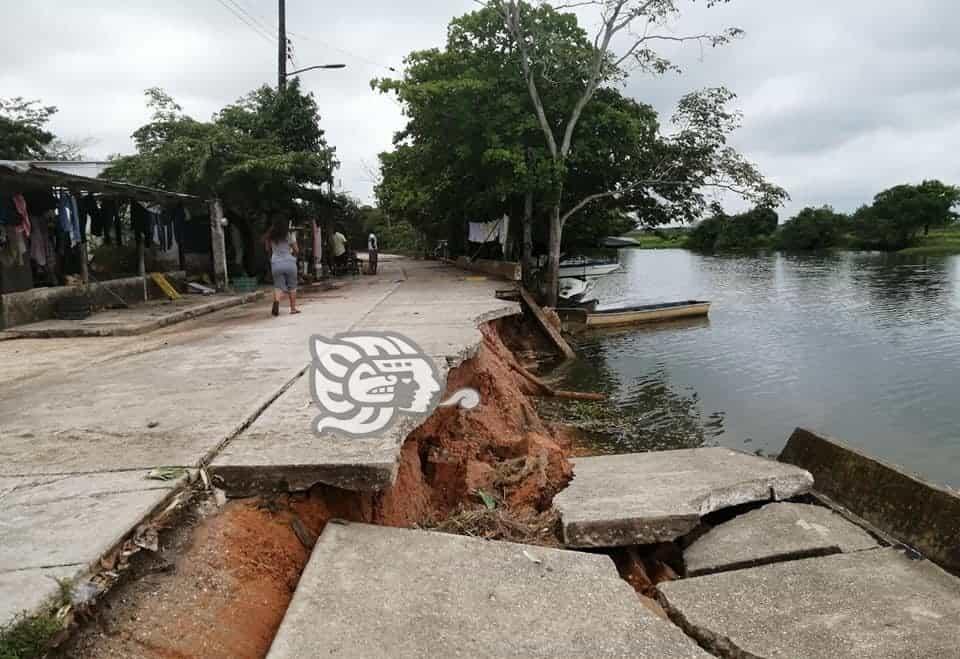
x=63, y=233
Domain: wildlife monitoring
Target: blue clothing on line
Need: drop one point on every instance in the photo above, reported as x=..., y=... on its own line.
x=69, y=218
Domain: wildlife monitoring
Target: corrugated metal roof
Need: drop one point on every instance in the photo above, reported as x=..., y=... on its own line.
x=88, y=168
x=39, y=174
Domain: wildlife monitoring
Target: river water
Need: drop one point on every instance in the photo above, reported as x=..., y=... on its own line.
x=861, y=346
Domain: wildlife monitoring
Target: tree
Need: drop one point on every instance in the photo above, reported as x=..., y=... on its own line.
x=261, y=154
x=898, y=214
x=23, y=133
x=812, y=229
x=473, y=148
x=549, y=44
x=749, y=230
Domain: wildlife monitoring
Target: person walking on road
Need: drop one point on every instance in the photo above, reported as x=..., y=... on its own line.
x=283, y=263
x=372, y=249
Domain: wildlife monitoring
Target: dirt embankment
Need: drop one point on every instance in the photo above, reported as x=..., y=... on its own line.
x=224, y=577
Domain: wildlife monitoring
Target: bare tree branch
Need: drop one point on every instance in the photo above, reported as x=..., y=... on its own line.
x=513, y=23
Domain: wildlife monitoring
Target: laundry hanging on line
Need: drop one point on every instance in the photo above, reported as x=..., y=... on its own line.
x=490, y=232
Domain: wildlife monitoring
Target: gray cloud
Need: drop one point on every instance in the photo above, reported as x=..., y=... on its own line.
x=840, y=99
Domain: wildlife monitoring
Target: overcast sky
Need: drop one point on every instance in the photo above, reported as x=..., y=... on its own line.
x=841, y=99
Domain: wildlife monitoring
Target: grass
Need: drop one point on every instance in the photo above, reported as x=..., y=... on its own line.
x=660, y=240
x=29, y=636
x=939, y=242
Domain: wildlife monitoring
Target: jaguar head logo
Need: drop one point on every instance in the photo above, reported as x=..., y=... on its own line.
x=363, y=382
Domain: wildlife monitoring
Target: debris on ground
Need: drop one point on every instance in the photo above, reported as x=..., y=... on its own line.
x=166, y=473
x=540, y=529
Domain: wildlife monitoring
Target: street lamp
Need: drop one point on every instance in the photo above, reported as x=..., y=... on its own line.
x=319, y=66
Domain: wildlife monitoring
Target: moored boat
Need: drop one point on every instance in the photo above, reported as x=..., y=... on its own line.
x=616, y=242
x=583, y=268
x=651, y=313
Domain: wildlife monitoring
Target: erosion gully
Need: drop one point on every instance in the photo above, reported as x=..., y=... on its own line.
x=224, y=571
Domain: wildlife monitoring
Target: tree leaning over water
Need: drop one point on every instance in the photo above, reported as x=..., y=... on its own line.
x=628, y=31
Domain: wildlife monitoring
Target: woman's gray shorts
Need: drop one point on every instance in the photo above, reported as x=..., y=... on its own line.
x=284, y=275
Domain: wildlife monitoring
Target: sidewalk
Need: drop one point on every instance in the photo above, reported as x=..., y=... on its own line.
x=139, y=319
x=83, y=426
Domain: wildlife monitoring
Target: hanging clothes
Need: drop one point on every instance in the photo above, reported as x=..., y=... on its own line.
x=110, y=220
x=140, y=218
x=40, y=241
x=40, y=202
x=485, y=232
x=21, y=205
x=8, y=212
x=90, y=211
x=13, y=246
x=179, y=224
x=69, y=218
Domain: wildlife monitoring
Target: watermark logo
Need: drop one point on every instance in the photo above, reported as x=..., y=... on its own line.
x=365, y=382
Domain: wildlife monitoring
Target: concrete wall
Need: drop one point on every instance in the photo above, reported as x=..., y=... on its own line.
x=924, y=516
x=504, y=269
x=41, y=303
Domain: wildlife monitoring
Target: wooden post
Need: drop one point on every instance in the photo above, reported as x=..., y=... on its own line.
x=141, y=264
x=84, y=273
x=219, y=245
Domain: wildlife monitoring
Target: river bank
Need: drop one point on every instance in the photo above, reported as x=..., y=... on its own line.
x=939, y=242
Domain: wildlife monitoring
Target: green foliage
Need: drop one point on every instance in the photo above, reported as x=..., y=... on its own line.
x=473, y=145
x=28, y=637
x=23, y=135
x=720, y=232
x=672, y=238
x=898, y=215
x=259, y=154
x=703, y=237
x=814, y=228
x=394, y=236
x=938, y=242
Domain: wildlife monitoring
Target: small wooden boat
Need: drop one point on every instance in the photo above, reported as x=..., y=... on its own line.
x=651, y=313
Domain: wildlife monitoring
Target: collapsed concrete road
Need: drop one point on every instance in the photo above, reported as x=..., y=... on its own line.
x=644, y=498
x=280, y=452
x=877, y=603
x=86, y=420
x=373, y=591
x=774, y=533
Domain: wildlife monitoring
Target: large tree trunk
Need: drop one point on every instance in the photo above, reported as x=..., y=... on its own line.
x=527, y=257
x=552, y=279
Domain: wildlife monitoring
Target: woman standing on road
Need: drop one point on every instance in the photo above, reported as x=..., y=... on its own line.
x=283, y=263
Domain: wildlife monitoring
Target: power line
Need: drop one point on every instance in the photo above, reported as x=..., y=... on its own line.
x=372, y=63
x=259, y=22
x=242, y=19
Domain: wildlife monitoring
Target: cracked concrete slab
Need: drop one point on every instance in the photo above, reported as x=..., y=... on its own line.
x=25, y=591
x=169, y=406
x=72, y=519
x=776, y=532
x=644, y=498
x=281, y=452
x=382, y=592
x=876, y=603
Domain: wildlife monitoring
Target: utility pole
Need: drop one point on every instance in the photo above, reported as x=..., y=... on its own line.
x=282, y=47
